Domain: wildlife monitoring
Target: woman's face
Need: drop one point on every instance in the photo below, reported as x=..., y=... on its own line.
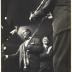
x=45, y=40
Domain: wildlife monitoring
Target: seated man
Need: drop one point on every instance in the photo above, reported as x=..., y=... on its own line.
x=29, y=52
x=46, y=64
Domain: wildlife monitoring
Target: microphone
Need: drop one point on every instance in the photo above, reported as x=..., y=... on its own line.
x=13, y=31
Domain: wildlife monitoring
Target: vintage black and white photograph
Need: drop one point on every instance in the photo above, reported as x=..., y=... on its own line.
x=35, y=35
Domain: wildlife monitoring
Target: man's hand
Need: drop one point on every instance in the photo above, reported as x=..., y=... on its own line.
x=34, y=14
x=49, y=49
x=31, y=16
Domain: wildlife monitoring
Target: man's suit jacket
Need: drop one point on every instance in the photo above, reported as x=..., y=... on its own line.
x=34, y=56
x=61, y=31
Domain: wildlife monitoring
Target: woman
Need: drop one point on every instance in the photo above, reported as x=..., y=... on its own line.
x=46, y=64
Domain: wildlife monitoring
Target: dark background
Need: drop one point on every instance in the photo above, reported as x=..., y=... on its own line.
x=17, y=13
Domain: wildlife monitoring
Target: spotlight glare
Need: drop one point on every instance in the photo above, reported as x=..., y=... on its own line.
x=5, y=18
x=4, y=47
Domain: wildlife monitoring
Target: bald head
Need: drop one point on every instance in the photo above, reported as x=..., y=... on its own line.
x=24, y=33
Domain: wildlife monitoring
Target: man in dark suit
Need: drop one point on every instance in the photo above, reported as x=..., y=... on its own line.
x=61, y=31
x=29, y=52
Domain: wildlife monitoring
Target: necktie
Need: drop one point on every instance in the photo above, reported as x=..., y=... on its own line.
x=25, y=56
